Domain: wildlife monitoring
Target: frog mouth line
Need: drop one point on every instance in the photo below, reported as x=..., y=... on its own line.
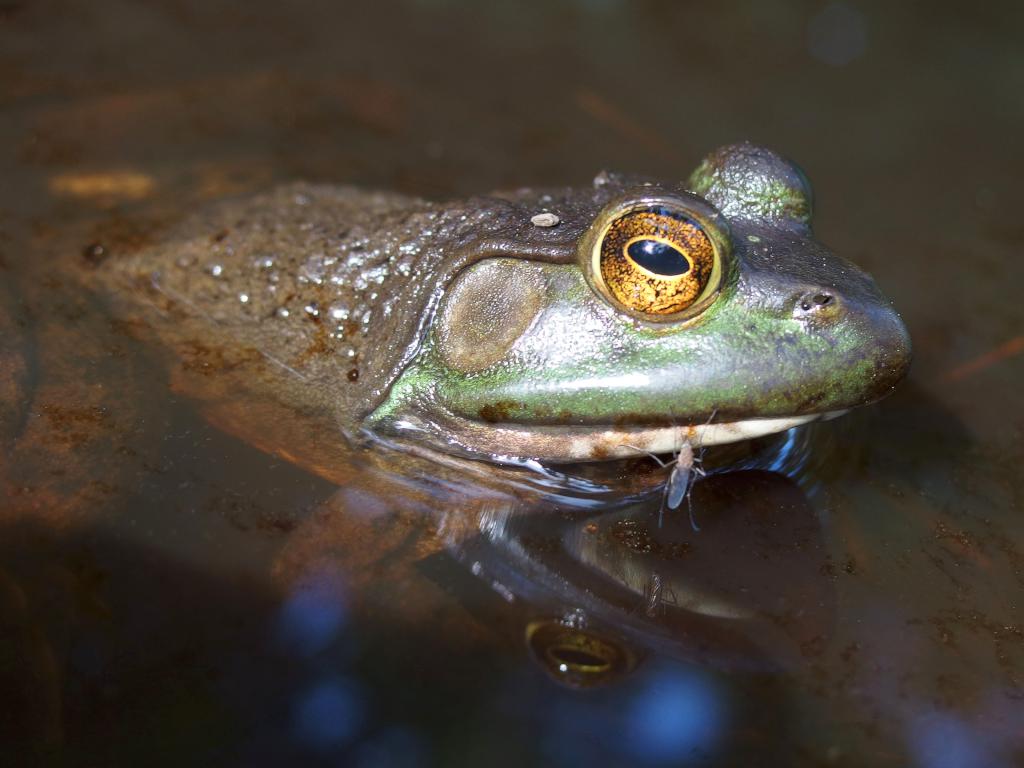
x=510, y=443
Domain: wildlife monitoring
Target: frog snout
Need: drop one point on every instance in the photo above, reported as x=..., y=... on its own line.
x=865, y=323
x=890, y=349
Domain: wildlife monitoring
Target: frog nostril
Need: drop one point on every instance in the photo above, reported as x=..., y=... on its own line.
x=817, y=302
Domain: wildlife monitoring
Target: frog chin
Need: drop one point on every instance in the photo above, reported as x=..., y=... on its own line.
x=511, y=443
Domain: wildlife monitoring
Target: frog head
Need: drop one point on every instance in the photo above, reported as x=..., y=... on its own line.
x=650, y=315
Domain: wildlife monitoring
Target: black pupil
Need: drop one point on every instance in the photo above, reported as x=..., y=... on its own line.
x=658, y=257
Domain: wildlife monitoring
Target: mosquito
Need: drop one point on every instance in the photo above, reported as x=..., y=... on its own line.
x=685, y=469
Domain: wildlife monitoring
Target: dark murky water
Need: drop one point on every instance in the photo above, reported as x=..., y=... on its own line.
x=171, y=595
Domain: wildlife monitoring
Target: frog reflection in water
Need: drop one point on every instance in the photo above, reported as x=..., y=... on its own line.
x=621, y=323
x=592, y=589
x=615, y=585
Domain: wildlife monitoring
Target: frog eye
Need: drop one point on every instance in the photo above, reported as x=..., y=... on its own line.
x=577, y=657
x=656, y=261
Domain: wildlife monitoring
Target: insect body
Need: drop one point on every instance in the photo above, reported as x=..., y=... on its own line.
x=679, y=480
x=684, y=470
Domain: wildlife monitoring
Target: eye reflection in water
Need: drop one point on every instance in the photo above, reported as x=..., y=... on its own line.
x=575, y=657
x=669, y=714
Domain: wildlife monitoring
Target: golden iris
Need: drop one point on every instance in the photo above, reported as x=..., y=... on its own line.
x=656, y=261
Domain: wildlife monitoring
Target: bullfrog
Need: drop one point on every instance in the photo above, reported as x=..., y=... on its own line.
x=581, y=324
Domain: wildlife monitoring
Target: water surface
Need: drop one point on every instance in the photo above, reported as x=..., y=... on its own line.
x=170, y=594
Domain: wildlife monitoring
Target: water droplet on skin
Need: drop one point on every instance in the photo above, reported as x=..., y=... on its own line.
x=316, y=267
x=216, y=270
x=312, y=309
x=374, y=275
x=244, y=298
x=283, y=312
x=338, y=311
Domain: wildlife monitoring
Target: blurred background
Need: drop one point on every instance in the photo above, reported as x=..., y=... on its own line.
x=145, y=616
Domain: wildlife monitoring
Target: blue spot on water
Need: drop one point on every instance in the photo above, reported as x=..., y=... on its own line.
x=314, y=613
x=939, y=740
x=328, y=715
x=676, y=715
